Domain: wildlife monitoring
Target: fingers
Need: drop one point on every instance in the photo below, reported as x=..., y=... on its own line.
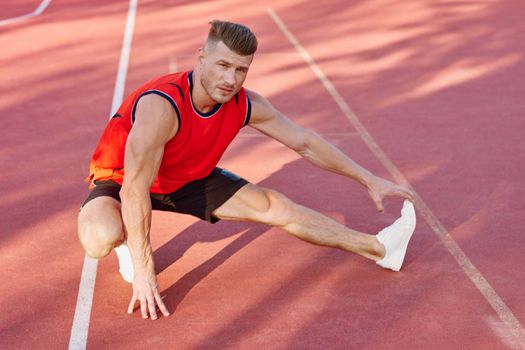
x=405, y=193
x=142, y=300
x=381, y=188
x=143, y=307
x=132, y=303
x=401, y=191
x=148, y=304
x=393, y=190
x=152, y=306
x=379, y=205
x=378, y=201
x=161, y=305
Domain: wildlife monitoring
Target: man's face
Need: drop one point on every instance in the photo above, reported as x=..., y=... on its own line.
x=223, y=72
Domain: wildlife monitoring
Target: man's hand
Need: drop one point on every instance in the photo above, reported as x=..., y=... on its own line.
x=379, y=188
x=146, y=291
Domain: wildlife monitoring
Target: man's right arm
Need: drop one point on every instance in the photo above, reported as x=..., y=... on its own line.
x=155, y=124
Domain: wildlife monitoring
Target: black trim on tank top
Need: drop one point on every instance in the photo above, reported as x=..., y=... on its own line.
x=248, y=110
x=179, y=88
x=190, y=80
x=116, y=115
x=162, y=94
x=205, y=115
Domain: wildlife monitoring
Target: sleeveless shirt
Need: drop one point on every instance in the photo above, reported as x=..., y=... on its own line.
x=196, y=148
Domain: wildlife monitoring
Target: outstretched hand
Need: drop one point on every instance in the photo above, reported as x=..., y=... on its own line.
x=379, y=188
x=146, y=291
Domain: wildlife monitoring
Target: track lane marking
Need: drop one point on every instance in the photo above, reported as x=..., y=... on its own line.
x=38, y=11
x=503, y=311
x=80, y=327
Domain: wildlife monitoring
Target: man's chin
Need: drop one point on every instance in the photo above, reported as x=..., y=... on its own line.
x=222, y=98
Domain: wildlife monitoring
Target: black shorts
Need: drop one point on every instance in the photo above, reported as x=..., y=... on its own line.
x=198, y=198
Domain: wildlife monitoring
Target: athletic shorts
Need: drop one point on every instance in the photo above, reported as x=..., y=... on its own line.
x=198, y=198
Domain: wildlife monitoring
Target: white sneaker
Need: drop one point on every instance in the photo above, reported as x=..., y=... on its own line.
x=124, y=262
x=395, y=238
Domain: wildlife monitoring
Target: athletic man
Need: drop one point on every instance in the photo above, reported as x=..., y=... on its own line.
x=167, y=138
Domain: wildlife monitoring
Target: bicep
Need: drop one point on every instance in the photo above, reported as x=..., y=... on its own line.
x=269, y=121
x=155, y=124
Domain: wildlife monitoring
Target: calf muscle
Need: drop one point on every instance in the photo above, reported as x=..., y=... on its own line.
x=253, y=203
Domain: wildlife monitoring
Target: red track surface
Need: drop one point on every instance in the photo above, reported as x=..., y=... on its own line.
x=438, y=84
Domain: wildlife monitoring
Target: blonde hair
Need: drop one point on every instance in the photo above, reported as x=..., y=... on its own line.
x=236, y=37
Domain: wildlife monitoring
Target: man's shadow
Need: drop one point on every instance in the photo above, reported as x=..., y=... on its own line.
x=173, y=250
x=306, y=190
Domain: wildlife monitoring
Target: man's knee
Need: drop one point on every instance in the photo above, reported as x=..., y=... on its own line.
x=258, y=204
x=98, y=240
x=99, y=234
x=279, y=209
x=96, y=250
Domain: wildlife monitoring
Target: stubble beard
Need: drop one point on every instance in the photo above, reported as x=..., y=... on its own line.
x=215, y=96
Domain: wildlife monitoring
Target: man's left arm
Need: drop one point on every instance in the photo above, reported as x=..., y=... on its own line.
x=311, y=146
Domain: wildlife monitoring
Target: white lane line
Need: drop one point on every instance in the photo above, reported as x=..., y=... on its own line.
x=80, y=327
x=118, y=94
x=503, y=311
x=79, y=330
x=35, y=13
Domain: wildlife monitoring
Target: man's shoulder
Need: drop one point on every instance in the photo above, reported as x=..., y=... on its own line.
x=173, y=88
x=174, y=84
x=262, y=109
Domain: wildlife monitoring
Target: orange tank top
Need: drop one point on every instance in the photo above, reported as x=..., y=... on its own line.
x=192, y=153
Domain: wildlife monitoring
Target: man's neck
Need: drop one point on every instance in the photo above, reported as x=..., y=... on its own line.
x=201, y=100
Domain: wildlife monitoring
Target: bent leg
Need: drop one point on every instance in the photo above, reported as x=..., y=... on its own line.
x=100, y=226
x=257, y=204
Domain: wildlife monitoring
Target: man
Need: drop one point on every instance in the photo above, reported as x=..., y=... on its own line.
x=167, y=138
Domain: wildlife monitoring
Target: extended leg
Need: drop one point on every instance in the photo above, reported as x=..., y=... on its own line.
x=253, y=203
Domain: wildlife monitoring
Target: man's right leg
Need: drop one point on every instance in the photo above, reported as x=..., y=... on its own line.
x=100, y=226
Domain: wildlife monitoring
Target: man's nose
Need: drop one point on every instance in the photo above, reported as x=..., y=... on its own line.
x=229, y=77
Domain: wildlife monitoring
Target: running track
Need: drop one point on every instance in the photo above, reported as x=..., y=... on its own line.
x=437, y=87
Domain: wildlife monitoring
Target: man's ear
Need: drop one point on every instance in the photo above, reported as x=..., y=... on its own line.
x=200, y=55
